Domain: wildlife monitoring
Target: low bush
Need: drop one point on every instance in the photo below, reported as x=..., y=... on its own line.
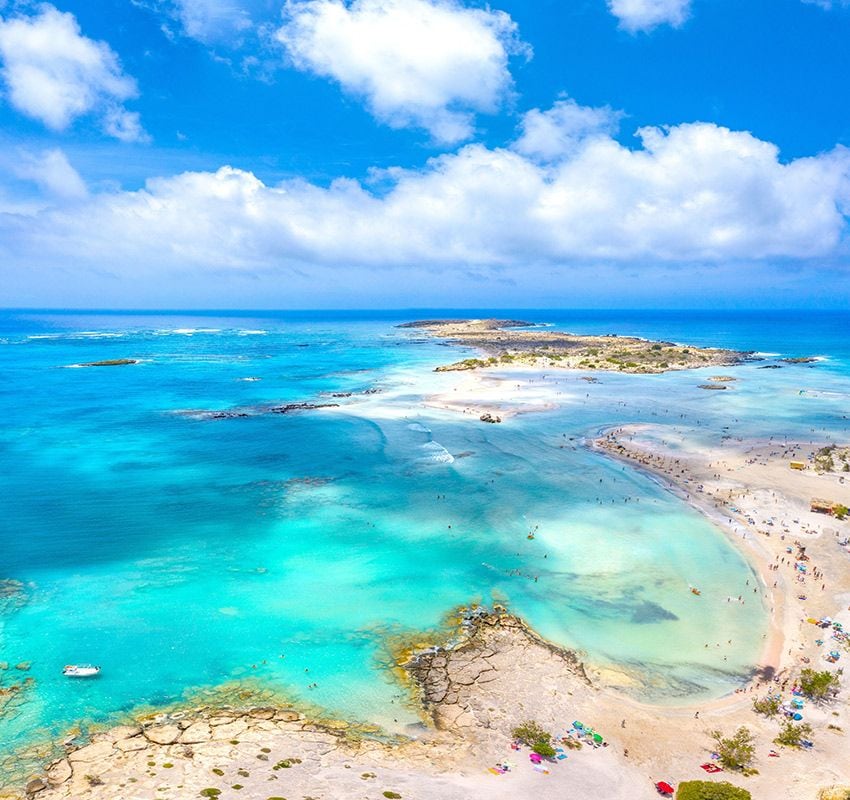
x=706, y=790
x=533, y=735
x=736, y=752
x=792, y=734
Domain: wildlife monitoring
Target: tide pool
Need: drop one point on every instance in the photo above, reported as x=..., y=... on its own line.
x=181, y=552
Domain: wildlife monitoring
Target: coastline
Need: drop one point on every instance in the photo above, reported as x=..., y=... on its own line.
x=752, y=552
x=606, y=703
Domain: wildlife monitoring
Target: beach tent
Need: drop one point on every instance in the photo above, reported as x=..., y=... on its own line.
x=664, y=788
x=597, y=738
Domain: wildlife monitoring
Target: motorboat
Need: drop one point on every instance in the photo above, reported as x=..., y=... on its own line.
x=80, y=671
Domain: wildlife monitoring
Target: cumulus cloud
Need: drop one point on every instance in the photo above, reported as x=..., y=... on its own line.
x=52, y=172
x=562, y=129
x=54, y=74
x=422, y=63
x=644, y=15
x=691, y=193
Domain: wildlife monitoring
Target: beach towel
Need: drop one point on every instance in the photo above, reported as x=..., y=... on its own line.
x=711, y=768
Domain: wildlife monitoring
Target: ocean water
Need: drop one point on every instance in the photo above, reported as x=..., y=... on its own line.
x=182, y=552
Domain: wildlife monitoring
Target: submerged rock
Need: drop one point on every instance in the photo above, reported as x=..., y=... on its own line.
x=290, y=407
x=110, y=362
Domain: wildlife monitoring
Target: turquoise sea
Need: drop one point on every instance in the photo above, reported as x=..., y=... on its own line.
x=181, y=551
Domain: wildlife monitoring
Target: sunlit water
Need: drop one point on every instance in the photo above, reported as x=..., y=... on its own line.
x=180, y=552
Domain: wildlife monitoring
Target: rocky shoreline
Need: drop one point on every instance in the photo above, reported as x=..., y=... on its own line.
x=466, y=686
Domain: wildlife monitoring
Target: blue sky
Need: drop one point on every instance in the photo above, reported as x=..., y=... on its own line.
x=367, y=153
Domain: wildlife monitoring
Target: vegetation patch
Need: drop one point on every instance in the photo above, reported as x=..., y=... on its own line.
x=793, y=735
x=736, y=752
x=706, y=790
x=767, y=706
x=818, y=685
x=533, y=735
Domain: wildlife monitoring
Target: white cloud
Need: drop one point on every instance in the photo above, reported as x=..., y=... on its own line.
x=423, y=63
x=829, y=4
x=52, y=172
x=695, y=193
x=208, y=21
x=562, y=129
x=644, y=15
x=55, y=74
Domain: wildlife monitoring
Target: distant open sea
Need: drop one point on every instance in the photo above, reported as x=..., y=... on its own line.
x=180, y=551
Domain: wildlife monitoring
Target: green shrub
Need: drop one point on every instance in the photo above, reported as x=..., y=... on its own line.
x=533, y=735
x=211, y=792
x=768, y=706
x=736, y=752
x=392, y=795
x=792, y=734
x=818, y=685
x=706, y=790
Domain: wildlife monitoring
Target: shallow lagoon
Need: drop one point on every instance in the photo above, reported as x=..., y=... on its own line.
x=181, y=553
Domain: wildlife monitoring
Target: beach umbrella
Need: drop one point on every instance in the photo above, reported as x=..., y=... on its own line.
x=664, y=788
x=597, y=738
x=798, y=717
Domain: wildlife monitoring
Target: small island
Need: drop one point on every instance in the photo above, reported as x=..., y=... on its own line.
x=503, y=345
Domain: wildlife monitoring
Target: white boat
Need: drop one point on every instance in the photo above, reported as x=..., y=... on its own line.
x=80, y=671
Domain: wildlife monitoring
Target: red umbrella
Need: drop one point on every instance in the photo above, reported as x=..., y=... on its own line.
x=664, y=787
